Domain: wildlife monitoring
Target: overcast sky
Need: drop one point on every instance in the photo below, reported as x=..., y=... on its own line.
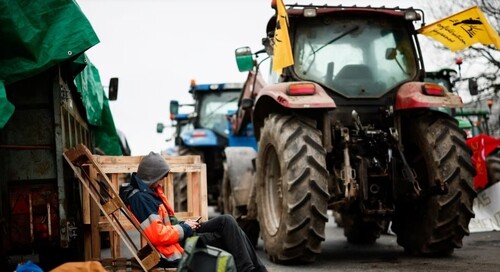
x=156, y=47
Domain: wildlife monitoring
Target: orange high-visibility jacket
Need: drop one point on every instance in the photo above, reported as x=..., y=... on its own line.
x=156, y=217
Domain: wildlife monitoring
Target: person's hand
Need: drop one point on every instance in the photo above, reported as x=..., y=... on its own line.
x=193, y=224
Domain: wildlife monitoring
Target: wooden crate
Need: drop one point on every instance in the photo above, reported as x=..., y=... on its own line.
x=118, y=167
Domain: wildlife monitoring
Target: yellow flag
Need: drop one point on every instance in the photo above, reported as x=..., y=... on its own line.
x=462, y=30
x=282, y=49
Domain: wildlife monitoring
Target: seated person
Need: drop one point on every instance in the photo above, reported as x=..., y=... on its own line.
x=145, y=198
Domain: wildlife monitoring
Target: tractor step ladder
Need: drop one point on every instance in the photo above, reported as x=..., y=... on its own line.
x=107, y=199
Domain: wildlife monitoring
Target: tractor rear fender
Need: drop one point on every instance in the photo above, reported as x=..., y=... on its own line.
x=280, y=92
x=278, y=98
x=240, y=172
x=417, y=95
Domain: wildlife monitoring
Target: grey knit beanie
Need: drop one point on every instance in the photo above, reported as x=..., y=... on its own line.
x=152, y=168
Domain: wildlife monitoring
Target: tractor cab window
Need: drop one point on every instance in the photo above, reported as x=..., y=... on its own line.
x=354, y=57
x=214, y=107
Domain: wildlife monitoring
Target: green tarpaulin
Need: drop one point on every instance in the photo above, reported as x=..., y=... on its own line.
x=99, y=114
x=39, y=34
x=6, y=108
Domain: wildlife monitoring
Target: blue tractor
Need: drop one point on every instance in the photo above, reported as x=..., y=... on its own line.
x=205, y=132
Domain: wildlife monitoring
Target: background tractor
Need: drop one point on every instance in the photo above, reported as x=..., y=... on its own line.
x=474, y=120
x=486, y=148
x=352, y=127
x=204, y=132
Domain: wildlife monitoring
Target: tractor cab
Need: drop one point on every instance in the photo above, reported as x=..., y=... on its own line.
x=381, y=55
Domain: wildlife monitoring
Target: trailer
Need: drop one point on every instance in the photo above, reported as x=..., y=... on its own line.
x=51, y=99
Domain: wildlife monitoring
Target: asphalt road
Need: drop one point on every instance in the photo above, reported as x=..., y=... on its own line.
x=480, y=252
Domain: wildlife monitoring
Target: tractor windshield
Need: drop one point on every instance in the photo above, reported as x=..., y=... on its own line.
x=213, y=109
x=357, y=57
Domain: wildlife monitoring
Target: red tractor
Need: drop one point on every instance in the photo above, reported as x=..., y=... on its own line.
x=352, y=127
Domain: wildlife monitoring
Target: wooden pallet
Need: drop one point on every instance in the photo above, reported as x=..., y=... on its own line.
x=101, y=176
x=197, y=205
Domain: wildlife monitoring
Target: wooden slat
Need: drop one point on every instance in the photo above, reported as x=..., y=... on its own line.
x=85, y=207
x=190, y=204
x=203, y=197
x=169, y=189
x=131, y=167
x=129, y=164
x=114, y=241
x=95, y=251
x=133, y=161
x=114, y=237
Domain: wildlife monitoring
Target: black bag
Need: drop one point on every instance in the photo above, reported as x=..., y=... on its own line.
x=199, y=257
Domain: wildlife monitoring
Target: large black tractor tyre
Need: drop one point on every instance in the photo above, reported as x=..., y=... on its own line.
x=249, y=226
x=227, y=196
x=292, y=189
x=434, y=225
x=180, y=183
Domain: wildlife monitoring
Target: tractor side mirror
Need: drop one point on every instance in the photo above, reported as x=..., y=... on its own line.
x=390, y=53
x=174, y=107
x=473, y=89
x=244, y=59
x=160, y=127
x=113, y=89
x=246, y=103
